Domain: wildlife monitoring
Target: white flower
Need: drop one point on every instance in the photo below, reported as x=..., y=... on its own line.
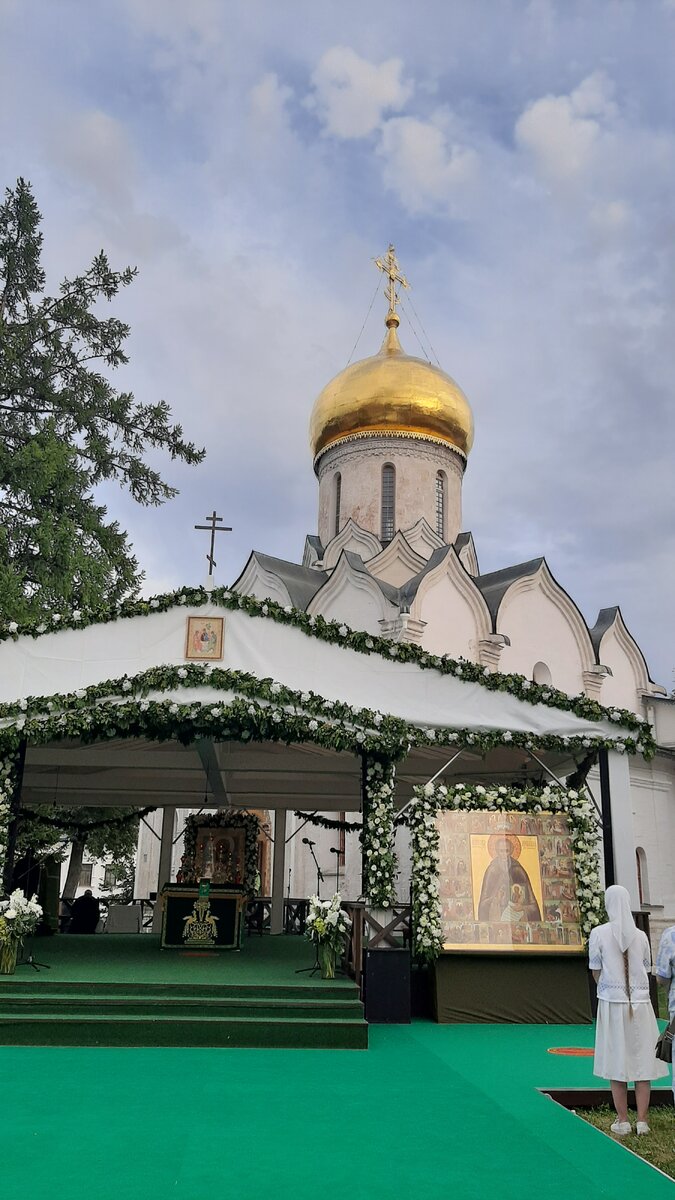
x=288, y=608
x=275, y=689
x=154, y=603
x=360, y=737
x=126, y=685
x=12, y=627
x=304, y=697
x=312, y=622
x=251, y=709
x=393, y=651
x=173, y=709
x=23, y=705
x=377, y=719
x=526, y=685
x=41, y=627
x=276, y=716
x=428, y=789
x=508, y=737
x=265, y=609
x=431, y=734
x=313, y=725
x=10, y=914
x=144, y=705
x=215, y=712
x=182, y=599
x=182, y=673
x=369, y=643
x=343, y=631
x=56, y=617
x=77, y=615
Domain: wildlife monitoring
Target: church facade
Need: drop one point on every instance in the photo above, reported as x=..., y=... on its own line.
x=390, y=438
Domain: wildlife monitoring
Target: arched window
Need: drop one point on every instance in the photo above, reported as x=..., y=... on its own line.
x=388, y=502
x=441, y=486
x=643, y=877
x=541, y=673
x=338, y=499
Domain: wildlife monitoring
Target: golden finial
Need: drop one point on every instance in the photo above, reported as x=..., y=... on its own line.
x=389, y=267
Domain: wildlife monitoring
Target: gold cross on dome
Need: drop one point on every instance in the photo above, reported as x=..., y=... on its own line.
x=388, y=265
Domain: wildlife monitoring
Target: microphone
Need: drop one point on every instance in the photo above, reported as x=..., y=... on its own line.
x=306, y=842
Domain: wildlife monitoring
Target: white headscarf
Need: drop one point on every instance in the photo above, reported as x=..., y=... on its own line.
x=617, y=903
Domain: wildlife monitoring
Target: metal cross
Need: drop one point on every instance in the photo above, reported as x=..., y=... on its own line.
x=215, y=528
x=389, y=267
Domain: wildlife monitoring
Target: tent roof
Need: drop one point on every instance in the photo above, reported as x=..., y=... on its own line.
x=66, y=660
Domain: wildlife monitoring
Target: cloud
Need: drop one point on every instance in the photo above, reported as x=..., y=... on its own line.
x=562, y=132
x=95, y=149
x=268, y=100
x=421, y=166
x=351, y=95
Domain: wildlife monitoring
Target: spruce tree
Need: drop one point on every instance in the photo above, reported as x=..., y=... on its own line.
x=64, y=429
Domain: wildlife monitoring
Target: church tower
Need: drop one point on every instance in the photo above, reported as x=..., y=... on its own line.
x=390, y=437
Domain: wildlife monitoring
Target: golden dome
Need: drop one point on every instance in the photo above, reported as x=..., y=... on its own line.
x=394, y=394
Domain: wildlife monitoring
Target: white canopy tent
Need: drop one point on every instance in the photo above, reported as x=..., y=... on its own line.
x=220, y=771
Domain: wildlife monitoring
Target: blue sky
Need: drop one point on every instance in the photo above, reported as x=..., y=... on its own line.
x=252, y=158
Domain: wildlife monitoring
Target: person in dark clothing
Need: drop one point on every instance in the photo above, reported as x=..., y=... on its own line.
x=84, y=914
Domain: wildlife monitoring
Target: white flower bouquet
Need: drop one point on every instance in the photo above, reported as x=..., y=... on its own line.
x=19, y=916
x=327, y=927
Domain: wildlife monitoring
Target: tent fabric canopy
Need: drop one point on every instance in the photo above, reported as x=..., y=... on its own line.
x=68, y=660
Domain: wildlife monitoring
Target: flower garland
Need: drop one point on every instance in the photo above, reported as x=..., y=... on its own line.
x=339, y=633
x=279, y=713
x=377, y=835
x=230, y=818
x=327, y=823
x=428, y=933
x=8, y=767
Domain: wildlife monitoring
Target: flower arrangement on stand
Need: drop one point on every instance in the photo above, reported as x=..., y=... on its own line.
x=19, y=916
x=327, y=927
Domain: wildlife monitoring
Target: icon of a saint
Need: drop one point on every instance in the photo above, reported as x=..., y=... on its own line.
x=500, y=876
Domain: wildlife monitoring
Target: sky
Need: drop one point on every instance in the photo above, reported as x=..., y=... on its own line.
x=252, y=159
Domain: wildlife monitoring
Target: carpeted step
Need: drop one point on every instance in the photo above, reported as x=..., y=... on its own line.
x=105, y=1006
x=13, y=986
x=202, y=1031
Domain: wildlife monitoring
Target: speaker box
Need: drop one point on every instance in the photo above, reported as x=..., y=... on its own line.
x=386, y=986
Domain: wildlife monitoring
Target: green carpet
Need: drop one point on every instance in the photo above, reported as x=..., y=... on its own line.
x=116, y=957
x=429, y=1112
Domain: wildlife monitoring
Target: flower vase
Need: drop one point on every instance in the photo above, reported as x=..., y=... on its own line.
x=327, y=961
x=8, y=957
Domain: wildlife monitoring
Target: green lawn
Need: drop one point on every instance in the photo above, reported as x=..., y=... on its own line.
x=657, y=1148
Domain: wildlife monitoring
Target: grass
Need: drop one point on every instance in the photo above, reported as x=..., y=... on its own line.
x=657, y=1148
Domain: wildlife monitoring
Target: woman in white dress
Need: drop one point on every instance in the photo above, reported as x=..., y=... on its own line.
x=626, y=1032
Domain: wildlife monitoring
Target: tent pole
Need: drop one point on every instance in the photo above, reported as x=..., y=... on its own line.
x=278, y=871
x=449, y=763
x=564, y=785
x=164, y=872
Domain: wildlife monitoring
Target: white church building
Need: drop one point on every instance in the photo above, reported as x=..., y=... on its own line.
x=390, y=439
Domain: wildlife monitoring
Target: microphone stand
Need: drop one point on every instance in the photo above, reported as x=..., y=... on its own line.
x=319, y=880
x=319, y=873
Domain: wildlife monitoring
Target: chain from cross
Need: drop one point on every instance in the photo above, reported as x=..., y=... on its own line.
x=215, y=528
x=389, y=267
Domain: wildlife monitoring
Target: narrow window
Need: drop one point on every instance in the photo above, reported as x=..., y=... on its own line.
x=388, y=502
x=342, y=841
x=338, y=499
x=440, y=504
x=643, y=878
